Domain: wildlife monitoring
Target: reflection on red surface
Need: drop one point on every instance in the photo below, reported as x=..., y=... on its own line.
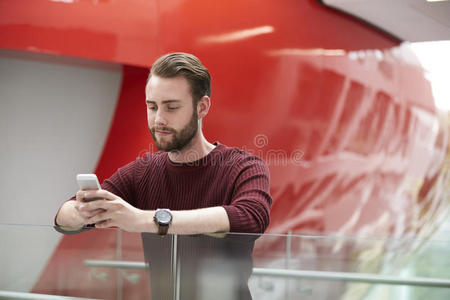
x=341, y=112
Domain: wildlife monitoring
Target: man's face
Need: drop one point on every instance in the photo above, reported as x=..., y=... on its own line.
x=172, y=119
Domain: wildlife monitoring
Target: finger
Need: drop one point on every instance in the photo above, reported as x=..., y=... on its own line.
x=97, y=211
x=99, y=218
x=99, y=194
x=79, y=206
x=104, y=224
x=98, y=204
x=79, y=196
x=90, y=214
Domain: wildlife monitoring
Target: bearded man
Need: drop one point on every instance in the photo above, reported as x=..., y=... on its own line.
x=188, y=188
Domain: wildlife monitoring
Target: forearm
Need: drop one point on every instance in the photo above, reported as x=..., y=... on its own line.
x=112, y=211
x=197, y=221
x=204, y=220
x=68, y=218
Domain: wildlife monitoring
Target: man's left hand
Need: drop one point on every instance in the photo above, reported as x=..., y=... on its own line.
x=117, y=212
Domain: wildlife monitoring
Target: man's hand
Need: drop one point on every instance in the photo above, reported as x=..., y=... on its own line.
x=83, y=214
x=113, y=211
x=71, y=217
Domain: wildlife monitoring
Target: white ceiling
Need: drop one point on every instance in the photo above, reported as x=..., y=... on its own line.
x=408, y=20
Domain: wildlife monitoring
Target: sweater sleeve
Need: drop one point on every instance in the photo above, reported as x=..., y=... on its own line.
x=249, y=209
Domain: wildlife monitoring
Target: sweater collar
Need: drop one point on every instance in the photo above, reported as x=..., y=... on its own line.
x=200, y=163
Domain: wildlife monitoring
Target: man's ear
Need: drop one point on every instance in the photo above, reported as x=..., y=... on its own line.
x=203, y=106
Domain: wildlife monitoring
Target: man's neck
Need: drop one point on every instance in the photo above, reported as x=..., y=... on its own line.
x=198, y=148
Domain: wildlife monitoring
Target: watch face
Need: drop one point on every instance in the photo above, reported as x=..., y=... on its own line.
x=163, y=217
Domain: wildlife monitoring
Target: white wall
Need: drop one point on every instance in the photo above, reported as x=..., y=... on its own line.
x=54, y=117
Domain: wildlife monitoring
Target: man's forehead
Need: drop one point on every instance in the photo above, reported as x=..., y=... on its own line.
x=160, y=89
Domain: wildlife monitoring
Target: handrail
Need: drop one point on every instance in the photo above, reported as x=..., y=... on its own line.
x=354, y=277
x=7, y=295
x=319, y=275
x=119, y=264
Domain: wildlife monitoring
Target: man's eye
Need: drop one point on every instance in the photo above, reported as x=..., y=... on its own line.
x=153, y=108
x=172, y=108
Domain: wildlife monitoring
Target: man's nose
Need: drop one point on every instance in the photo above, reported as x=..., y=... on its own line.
x=160, y=118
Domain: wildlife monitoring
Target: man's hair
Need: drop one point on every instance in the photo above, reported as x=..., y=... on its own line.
x=185, y=65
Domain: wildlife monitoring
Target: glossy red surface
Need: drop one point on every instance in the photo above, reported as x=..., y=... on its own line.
x=341, y=112
x=136, y=32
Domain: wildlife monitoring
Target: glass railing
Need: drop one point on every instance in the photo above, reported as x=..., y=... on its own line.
x=37, y=262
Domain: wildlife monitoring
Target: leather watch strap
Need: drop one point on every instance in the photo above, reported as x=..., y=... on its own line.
x=162, y=229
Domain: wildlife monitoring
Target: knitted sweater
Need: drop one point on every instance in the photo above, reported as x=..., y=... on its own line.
x=225, y=177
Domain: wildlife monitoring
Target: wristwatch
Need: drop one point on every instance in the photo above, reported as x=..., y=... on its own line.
x=163, y=219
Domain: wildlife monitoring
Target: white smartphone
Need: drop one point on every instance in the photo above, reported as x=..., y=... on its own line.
x=88, y=182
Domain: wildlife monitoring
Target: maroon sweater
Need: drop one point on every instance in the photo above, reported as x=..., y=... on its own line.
x=226, y=177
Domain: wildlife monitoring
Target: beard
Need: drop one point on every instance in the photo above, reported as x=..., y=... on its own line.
x=180, y=139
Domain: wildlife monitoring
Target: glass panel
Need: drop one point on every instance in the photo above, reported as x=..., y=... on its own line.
x=112, y=264
x=338, y=258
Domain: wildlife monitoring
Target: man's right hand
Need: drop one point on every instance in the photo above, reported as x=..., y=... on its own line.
x=85, y=214
x=73, y=215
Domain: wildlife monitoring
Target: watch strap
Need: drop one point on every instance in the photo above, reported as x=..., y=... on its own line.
x=162, y=229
